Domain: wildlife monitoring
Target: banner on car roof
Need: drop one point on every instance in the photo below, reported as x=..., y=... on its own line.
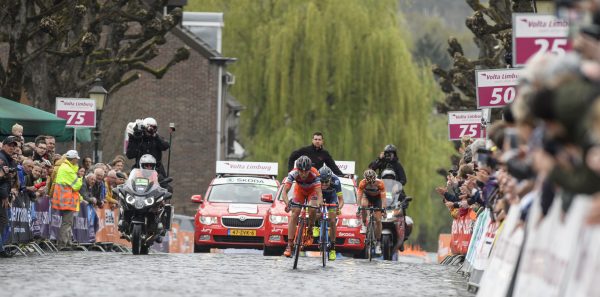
x=347, y=167
x=255, y=168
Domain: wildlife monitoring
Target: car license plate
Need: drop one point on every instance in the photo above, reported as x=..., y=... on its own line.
x=237, y=232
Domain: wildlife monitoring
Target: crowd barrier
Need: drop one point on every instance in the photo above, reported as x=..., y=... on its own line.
x=36, y=222
x=556, y=255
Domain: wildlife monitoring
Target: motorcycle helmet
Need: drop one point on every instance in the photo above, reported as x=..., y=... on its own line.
x=370, y=175
x=388, y=173
x=304, y=163
x=150, y=124
x=325, y=173
x=148, y=161
x=390, y=152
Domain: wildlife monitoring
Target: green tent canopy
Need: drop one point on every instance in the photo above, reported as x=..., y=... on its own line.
x=83, y=135
x=34, y=121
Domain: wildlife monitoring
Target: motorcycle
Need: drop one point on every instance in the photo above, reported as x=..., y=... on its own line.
x=143, y=214
x=396, y=225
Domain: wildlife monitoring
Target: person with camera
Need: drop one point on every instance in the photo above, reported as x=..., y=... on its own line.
x=8, y=170
x=144, y=139
x=389, y=159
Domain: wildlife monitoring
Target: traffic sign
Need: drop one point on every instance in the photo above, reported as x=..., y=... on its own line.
x=79, y=112
x=538, y=33
x=465, y=123
x=496, y=87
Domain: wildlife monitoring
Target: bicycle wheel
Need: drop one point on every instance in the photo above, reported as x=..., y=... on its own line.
x=371, y=234
x=298, y=239
x=323, y=241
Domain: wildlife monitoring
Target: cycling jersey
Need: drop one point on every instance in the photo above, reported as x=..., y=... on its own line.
x=375, y=193
x=331, y=194
x=306, y=188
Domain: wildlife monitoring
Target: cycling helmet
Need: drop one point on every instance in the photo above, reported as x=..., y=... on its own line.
x=370, y=175
x=304, y=163
x=390, y=148
x=325, y=173
x=147, y=161
x=388, y=173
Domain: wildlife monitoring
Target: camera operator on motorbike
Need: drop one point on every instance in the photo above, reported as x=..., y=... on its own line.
x=308, y=187
x=331, y=187
x=389, y=159
x=371, y=191
x=144, y=139
x=388, y=176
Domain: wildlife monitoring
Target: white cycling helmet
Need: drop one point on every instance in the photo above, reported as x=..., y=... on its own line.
x=388, y=173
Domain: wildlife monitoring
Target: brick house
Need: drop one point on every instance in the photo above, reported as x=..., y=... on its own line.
x=188, y=95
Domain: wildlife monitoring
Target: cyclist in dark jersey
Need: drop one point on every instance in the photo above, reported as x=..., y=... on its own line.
x=331, y=187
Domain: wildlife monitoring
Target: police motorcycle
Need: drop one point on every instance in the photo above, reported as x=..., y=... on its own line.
x=396, y=225
x=144, y=214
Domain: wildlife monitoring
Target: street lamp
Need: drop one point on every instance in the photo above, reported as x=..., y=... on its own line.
x=99, y=94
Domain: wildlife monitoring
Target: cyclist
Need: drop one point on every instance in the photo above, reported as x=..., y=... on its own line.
x=308, y=187
x=371, y=191
x=331, y=187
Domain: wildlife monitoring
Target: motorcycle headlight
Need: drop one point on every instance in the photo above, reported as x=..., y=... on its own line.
x=352, y=223
x=149, y=201
x=208, y=220
x=389, y=215
x=275, y=220
x=130, y=199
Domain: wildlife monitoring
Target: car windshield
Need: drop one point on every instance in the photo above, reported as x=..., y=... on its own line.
x=240, y=193
x=347, y=190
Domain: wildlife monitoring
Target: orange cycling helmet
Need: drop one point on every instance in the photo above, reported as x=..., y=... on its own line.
x=370, y=175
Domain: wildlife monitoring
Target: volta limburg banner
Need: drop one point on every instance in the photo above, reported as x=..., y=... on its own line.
x=538, y=33
x=496, y=87
x=465, y=123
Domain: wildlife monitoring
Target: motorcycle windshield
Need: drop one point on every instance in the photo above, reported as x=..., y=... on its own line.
x=393, y=189
x=142, y=181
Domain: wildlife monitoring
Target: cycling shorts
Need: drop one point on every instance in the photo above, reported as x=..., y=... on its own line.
x=374, y=201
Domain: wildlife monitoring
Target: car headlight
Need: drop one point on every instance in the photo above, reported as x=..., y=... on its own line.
x=275, y=220
x=130, y=199
x=149, y=201
x=352, y=223
x=208, y=220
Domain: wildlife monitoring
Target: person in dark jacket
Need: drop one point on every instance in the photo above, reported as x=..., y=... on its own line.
x=389, y=159
x=145, y=140
x=317, y=154
x=8, y=169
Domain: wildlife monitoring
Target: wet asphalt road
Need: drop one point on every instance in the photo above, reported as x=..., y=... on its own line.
x=219, y=274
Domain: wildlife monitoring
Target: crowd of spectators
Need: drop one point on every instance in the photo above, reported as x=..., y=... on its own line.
x=29, y=169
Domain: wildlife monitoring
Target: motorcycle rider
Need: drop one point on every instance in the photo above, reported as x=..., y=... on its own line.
x=308, y=187
x=389, y=159
x=144, y=139
x=371, y=192
x=331, y=187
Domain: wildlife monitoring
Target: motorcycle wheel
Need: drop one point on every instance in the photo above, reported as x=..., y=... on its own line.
x=144, y=250
x=386, y=247
x=136, y=239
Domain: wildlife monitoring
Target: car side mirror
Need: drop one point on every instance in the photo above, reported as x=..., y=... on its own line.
x=266, y=198
x=197, y=199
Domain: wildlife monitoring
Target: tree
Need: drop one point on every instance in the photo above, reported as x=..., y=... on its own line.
x=492, y=27
x=342, y=67
x=59, y=47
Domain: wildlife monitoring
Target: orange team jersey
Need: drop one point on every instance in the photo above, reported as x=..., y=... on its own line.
x=371, y=190
x=311, y=182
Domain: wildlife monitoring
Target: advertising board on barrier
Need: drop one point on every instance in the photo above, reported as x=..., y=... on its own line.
x=465, y=123
x=252, y=168
x=538, y=33
x=496, y=87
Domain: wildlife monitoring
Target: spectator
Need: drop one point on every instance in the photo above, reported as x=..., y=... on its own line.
x=8, y=177
x=118, y=164
x=110, y=182
x=87, y=164
x=92, y=190
x=317, y=154
x=40, y=150
x=65, y=197
x=34, y=184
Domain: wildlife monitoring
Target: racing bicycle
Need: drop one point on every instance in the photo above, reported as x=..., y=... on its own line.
x=370, y=239
x=302, y=238
x=324, y=233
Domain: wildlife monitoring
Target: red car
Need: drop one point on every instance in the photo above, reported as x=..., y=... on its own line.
x=348, y=237
x=231, y=214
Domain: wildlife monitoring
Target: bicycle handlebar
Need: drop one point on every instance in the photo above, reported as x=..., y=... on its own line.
x=371, y=208
x=303, y=205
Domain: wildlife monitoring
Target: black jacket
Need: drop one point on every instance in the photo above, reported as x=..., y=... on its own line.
x=317, y=156
x=146, y=144
x=380, y=164
x=6, y=181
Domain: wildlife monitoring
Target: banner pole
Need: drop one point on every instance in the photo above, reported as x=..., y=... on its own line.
x=74, y=138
